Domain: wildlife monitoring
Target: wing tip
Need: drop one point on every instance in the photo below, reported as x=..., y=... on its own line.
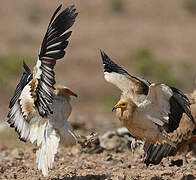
x=185, y=104
x=105, y=59
x=110, y=66
x=103, y=56
x=72, y=11
x=26, y=68
x=59, y=7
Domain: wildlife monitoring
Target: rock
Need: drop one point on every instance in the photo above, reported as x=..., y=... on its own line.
x=118, y=141
x=177, y=163
x=110, y=141
x=188, y=177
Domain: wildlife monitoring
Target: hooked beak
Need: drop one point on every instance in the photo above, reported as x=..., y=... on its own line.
x=118, y=105
x=70, y=93
x=114, y=108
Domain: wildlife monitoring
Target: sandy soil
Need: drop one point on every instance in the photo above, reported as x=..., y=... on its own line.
x=72, y=164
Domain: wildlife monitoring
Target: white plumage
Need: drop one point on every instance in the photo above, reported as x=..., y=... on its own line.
x=38, y=110
x=150, y=111
x=55, y=128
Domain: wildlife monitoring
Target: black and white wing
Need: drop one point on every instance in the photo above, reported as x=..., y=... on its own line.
x=162, y=104
x=179, y=104
x=35, y=91
x=15, y=116
x=127, y=83
x=156, y=104
x=25, y=79
x=52, y=48
x=138, y=89
x=184, y=137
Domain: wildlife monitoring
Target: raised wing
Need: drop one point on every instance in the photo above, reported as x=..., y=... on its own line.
x=156, y=104
x=122, y=79
x=53, y=48
x=15, y=115
x=25, y=79
x=179, y=104
x=166, y=106
x=138, y=89
x=35, y=91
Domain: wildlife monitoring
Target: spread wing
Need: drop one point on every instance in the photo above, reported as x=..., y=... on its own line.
x=181, y=131
x=52, y=48
x=179, y=104
x=184, y=136
x=25, y=79
x=15, y=116
x=156, y=105
x=35, y=91
x=122, y=79
x=138, y=89
x=162, y=104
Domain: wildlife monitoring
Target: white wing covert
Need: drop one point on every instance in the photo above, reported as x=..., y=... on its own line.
x=127, y=83
x=35, y=91
x=157, y=103
x=30, y=110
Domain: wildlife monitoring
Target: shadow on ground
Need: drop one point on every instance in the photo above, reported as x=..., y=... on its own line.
x=188, y=177
x=87, y=177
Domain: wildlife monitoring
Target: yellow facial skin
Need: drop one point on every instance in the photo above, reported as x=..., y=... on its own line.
x=121, y=105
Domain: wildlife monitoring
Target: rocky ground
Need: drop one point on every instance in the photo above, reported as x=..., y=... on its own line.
x=108, y=158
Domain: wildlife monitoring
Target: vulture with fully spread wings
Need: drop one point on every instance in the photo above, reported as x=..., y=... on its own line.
x=149, y=111
x=39, y=110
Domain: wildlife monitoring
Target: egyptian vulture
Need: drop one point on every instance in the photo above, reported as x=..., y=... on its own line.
x=149, y=111
x=39, y=110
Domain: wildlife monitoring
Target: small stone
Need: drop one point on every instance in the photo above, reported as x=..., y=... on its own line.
x=188, y=177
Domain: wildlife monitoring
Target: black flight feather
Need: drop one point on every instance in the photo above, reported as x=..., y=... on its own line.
x=110, y=66
x=53, y=48
x=25, y=79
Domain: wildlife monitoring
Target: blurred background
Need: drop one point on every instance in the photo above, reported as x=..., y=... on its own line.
x=153, y=39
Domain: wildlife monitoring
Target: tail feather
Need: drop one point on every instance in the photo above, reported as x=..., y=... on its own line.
x=155, y=153
x=47, y=141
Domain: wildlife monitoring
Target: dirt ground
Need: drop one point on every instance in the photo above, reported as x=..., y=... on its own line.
x=72, y=164
x=110, y=158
